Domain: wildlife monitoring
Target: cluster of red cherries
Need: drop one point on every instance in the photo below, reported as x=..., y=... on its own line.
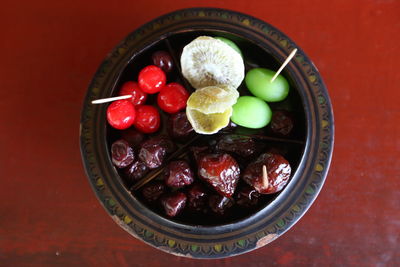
x=171, y=97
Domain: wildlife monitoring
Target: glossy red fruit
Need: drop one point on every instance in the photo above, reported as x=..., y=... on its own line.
x=136, y=171
x=147, y=119
x=178, y=174
x=121, y=154
x=163, y=60
x=174, y=203
x=278, y=169
x=132, y=88
x=154, y=150
x=121, y=114
x=151, y=79
x=221, y=171
x=172, y=98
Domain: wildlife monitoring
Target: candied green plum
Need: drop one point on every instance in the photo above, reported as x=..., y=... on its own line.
x=251, y=112
x=258, y=81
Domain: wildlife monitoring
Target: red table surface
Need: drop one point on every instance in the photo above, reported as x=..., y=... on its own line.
x=50, y=50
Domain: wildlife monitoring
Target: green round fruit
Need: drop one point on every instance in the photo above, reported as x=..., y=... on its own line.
x=230, y=43
x=251, y=112
x=258, y=81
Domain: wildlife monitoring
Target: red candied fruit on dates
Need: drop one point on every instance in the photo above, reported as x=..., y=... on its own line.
x=173, y=203
x=121, y=114
x=153, y=191
x=278, y=170
x=151, y=79
x=121, y=154
x=221, y=171
x=132, y=88
x=172, y=98
x=178, y=174
x=147, y=119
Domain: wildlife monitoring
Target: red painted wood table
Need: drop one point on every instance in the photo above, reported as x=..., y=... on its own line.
x=50, y=51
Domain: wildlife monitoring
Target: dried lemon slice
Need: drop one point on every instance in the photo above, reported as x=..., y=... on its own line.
x=207, y=61
x=208, y=123
x=212, y=99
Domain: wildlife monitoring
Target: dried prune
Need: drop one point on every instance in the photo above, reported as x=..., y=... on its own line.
x=173, y=203
x=243, y=146
x=178, y=174
x=121, y=153
x=278, y=170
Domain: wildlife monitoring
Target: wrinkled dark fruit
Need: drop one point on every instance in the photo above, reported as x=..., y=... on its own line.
x=197, y=198
x=219, y=204
x=278, y=169
x=153, y=190
x=247, y=197
x=133, y=137
x=281, y=123
x=173, y=203
x=240, y=145
x=121, y=153
x=163, y=60
x=179, y=126
x=178, y=174
x=221, y=171
x=154, y=150
x=136, y=171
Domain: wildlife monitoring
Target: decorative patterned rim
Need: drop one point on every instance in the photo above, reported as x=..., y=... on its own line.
x=231, y=239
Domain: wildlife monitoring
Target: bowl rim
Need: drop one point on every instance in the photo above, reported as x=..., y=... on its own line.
x=180, y=239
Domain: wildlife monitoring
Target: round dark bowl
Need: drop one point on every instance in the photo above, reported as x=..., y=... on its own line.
x=311, y=153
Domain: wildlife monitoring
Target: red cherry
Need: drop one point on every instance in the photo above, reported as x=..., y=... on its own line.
x=147, y=119
x=132, y=88
x=151, y=79
x=172, y=98
x=121, y=114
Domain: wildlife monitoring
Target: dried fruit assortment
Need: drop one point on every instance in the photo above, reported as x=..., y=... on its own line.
x=226, y=170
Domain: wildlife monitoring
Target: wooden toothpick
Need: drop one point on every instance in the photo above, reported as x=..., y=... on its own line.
x=265, y=176
x=110, y=99
x=284, y=64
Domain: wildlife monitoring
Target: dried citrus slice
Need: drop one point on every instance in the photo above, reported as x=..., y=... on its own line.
x=208, y=123
x=212, y=99
x=207, y=61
